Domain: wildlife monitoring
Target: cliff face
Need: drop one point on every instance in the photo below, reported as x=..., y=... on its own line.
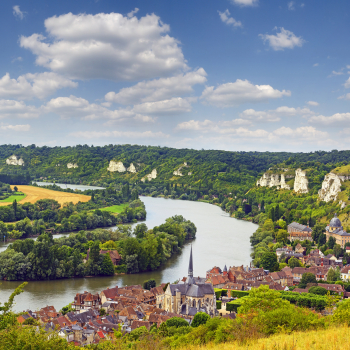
x=331, y=187
x=178, y=171
x=13, y=160
x=72, y=165
x=116, y=166
x=270, y=180
x=132, y=168
x=301, y=182
x=150, y=176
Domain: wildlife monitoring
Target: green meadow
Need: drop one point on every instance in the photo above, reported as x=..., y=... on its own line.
x=115, y=208
x=18, y=196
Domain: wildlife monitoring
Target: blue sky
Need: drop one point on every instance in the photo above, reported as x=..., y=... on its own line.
x=246, y=75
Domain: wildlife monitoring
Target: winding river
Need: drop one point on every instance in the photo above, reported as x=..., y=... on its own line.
x=220, y=240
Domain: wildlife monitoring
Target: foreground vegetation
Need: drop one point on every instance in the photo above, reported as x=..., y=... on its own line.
x=264, y=321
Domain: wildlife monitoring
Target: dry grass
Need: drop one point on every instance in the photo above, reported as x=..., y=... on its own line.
x=33, y=194
x=330, y=339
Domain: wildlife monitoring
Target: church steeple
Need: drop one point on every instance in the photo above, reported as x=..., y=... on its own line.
x=190, y=269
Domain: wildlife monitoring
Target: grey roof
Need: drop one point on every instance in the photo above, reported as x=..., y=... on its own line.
x=300, y=227
x=225, y=268
x=338, y=231
x=335, y=222
x=195, y=291
x=192, y=311
x=192, y=290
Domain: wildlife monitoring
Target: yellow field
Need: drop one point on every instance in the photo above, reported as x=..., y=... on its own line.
x=329, y=339
x=36, y=193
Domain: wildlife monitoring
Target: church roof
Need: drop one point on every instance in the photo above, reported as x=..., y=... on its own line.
x=335, y=222
x=300, y=227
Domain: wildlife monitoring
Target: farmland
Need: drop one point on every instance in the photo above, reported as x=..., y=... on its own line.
x=115, y=208
x=33, y=194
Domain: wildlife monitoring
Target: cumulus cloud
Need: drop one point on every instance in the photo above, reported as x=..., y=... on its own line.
x=39, y=85
x=107, y=46
x=205, y=125
x=291, y=6
x=312, y=103
x=344, y=97
x=337, y=119
x=225, y=17
x=158, y=89
x=13, y=108
x=17, y=12
x=175, y=105
x=239, y=92
x=245, y=2
x=347, y=83
x=127, y=134
x=25, y=127
x=298, y=133
x=285, y=39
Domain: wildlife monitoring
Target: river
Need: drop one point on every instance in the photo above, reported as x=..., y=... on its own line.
x=220, y=240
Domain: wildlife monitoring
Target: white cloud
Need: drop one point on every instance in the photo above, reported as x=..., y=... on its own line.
x=315, y=65
x=291, y=6
x=133, y=12
x=197, y=125
x=347, y=83
x=245, y=2
x=337, y=73
x=12, y=108
x=122, y=134
x=302, y=132
x=175, y=105
x=344, y=97
x=19, y=59
x=285, y=39
x=25, y=127
x=17, y=12
x=28, y=86
x=239, y=92
x=159, y=89
x=337, y=119
x=225, y=17
x=107, y=46
x=312, y=103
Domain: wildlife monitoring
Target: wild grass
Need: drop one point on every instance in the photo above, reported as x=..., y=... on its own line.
x=115, y=208
x=10, y=199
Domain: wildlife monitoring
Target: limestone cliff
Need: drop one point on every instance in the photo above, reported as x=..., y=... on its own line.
x=331, y=187
x=132, y=168
x=72, y=165
x=116, y=166
x=178, y=171
x=270, y=180
x=14, y=160
x=301, y=182
x=150, y=176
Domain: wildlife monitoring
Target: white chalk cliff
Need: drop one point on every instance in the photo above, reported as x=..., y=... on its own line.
x=331, y=187
x=150, y=176
x=72, y=165
x=301, y=182
x=116, y=166
x=132, y=168
x=270, y=180
x=178, y=171
x=13, y=160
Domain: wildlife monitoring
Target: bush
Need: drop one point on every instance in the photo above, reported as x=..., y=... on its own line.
x=199, y=319
x=238, y=293
x=218, y=304
x=233, y=305
x=120, y=269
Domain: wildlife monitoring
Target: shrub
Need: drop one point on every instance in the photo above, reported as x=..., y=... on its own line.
x=199, y=319
x=238, y=293
x=218, y=304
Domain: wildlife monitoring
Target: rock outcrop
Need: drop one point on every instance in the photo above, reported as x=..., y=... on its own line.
x=150, y=176
x=132, y=168
x=330, y=188
x=116, y=166
x=178, y=171
x=270, y=180
x=72, y=165
x=14, y=160
x=301, y=182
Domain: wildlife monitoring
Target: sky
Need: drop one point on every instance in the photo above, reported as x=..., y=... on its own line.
x=237, y=75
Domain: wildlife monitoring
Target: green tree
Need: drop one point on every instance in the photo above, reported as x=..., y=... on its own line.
x=293, y=262
x=107, y=267
x=318, y=290
x=140, y=230
x=282, y=236
x=331, y=242
x=306, y=278
x=200, y=318
x=333, y=275
x=269, y=261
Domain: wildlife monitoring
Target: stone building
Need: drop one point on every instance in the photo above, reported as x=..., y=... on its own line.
x=299, y=232
x=335, y=229
x=190, y=297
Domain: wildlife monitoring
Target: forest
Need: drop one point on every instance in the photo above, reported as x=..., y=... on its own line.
x=141, y=249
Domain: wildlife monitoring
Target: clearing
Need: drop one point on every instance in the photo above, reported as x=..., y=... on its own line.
x=10, y=199
x=115, y=208
x=33, y=194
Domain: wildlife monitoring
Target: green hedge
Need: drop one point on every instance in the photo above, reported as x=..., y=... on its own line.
x=218, y=304
x=233, y=305
x=220, y=292
x=317, y=302
x=238, y=293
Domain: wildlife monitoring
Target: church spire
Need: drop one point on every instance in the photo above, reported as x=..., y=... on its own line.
x=190, y=269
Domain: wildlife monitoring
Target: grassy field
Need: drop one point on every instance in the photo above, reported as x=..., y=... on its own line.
x=33, y=194
x=10, y=199
x=115, y=208
x=330, y=339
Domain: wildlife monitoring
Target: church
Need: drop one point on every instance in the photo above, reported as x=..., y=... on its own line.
x=189, y=297
x=335, y=229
